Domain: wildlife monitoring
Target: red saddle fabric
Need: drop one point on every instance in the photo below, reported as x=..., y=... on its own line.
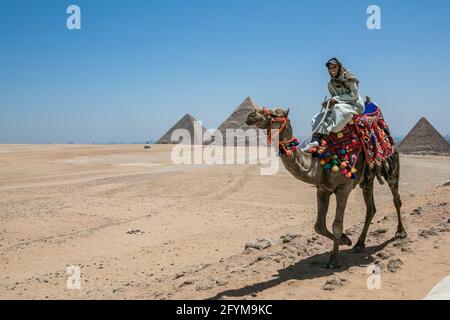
x=375, y=136
x=366, y=133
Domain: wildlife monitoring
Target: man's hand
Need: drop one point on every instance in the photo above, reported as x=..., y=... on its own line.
x=331, y=101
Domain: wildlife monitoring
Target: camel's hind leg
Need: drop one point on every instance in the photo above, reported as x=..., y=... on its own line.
x=393, y=185
x=367, y=189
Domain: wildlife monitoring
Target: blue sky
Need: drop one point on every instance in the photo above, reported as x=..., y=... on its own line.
x=136, y=67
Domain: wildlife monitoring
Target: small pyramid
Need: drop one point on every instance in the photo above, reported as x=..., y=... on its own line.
x=424, y=139
x=238, y=117
x=186, y=122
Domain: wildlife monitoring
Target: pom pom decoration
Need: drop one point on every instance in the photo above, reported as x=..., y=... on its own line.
x=338, y=152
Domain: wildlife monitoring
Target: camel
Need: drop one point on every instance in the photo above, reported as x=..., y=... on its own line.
x=303, y=166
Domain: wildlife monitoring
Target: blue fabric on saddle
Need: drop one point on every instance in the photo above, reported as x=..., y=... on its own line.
x=370, y=108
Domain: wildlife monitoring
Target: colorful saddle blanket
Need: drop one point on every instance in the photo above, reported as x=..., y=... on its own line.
x=368, y=132
x=375, y=136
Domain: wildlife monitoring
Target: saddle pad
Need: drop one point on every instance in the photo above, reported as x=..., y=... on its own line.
x=375, y=136
x=339, y=151
x=368, y=133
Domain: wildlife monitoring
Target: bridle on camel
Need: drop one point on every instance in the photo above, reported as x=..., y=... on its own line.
x=292, y=142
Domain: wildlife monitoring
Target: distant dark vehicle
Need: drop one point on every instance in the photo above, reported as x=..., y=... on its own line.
x=147, y=146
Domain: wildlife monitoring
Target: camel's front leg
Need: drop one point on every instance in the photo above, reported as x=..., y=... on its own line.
x=323, y=201
x=342, y=193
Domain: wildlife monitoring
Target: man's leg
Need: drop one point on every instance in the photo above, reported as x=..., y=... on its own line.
x=315, y=142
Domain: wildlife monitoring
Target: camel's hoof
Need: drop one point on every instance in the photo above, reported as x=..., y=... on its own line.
x=401, y=234
x=359, y=247
x=334, y=263
x=345, y=240
x=331, y=265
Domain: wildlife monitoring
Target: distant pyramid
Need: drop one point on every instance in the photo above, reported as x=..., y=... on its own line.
x=237, y=119
x=424, y=139
x=187, y=122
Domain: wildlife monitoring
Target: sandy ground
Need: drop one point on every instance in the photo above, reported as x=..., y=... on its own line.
x=64, y=205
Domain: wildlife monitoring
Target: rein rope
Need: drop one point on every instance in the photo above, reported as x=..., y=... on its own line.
x=292, y=142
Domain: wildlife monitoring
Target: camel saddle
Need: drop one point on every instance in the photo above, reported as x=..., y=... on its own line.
x=367, y=132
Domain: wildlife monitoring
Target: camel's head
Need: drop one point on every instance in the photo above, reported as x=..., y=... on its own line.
x=261, y=118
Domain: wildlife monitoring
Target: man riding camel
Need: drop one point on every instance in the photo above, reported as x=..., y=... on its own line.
x=344, y=103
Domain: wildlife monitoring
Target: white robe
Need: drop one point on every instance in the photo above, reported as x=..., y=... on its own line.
x=349, y=103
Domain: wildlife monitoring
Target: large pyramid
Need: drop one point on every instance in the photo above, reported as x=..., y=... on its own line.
x=186, y=122
x=424, y=139
x=237, y=120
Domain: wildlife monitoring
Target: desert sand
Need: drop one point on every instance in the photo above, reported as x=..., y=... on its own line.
x=140, y=227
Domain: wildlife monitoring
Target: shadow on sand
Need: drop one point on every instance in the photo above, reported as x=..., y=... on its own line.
x=309, y=268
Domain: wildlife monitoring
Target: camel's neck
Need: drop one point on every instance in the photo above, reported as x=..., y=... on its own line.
x=299, y=164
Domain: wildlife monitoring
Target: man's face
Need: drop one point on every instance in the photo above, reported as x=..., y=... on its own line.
x=333, y=70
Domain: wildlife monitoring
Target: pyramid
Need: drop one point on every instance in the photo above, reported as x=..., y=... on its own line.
x=186, y=122
x=237, y=119
x=424, y=139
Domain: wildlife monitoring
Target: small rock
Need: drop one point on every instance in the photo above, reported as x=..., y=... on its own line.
x=221, y=282
x=381, y=266
x=332, y=284
x=384, y=255
x=378, y=232
x=134, y=231
x=417, y=211
x=179, y=275
x=427, y=233
x=259, y=244
x=288, y=237
x=186, y=283
x=205, y=286
x=394, y=265
x=443, y=227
